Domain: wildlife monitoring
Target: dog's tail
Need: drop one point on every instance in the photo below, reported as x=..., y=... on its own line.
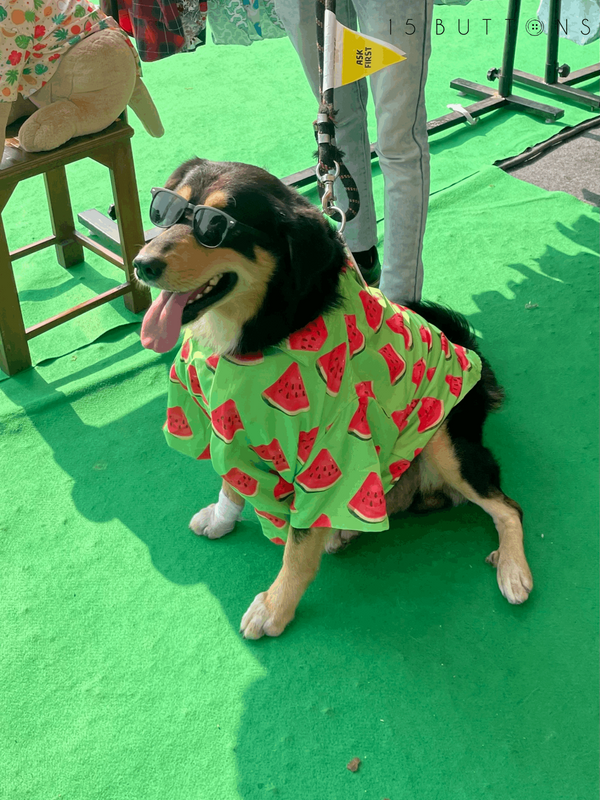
x=459, y=331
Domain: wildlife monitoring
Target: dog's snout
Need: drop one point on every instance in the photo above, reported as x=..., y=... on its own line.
x=148, y=268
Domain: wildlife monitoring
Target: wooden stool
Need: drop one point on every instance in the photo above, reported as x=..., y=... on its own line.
x=112, y=148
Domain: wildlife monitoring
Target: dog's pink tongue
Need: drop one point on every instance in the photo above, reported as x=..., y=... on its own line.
x=162, y=323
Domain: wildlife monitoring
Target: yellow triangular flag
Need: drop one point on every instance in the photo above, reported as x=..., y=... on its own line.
x=350, y=56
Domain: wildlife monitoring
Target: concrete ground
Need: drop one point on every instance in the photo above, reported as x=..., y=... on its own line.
x=572, y=167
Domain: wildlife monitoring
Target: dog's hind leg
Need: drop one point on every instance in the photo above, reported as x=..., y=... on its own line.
x=469, y=468
x=271, y=611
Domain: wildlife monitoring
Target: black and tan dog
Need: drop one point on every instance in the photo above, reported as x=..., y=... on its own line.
x=231, y=274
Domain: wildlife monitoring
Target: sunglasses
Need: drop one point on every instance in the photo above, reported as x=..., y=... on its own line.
x=211, y=226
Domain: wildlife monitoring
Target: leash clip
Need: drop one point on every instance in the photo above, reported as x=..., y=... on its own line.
x=328, y=178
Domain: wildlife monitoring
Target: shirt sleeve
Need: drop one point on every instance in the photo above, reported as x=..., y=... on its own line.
x=18, y=21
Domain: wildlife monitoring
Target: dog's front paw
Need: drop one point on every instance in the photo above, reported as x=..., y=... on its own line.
x=514, y=578
x=339, y=540
x=261, y=618
x=204, y=524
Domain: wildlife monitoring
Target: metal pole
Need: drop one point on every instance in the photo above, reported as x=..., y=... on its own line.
x=551, y=74
x=510, y=45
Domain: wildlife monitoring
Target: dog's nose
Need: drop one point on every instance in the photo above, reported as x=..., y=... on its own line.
x=148, y=268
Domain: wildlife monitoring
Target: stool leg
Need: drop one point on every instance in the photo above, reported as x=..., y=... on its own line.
x=129, y=220
x=14, y=349
x=68, y=251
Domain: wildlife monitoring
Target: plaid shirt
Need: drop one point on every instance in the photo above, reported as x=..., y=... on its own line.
x=156, y=25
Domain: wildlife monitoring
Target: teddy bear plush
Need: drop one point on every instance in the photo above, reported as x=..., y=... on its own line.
x=70, y=70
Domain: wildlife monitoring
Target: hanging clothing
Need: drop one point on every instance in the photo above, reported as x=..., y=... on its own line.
x=243, y=22
x=316, y=431
x=156, y=25
x=41, y=32
x=164, y=28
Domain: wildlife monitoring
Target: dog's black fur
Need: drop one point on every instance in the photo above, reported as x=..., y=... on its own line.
x=309, y=255
x=288, y=274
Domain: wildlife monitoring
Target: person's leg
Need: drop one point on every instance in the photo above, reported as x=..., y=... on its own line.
x=299, y=20
x=402, y=144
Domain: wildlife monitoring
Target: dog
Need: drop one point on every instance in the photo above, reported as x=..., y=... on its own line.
x=262, y=284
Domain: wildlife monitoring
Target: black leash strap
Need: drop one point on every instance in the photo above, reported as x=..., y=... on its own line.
x=330, y=158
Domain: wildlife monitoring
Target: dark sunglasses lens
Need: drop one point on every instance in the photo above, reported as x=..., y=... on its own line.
x=210, y=227
x=166, y=209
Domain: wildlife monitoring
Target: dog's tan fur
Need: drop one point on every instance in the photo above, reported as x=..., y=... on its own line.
x=271, y=611
x=435, y=473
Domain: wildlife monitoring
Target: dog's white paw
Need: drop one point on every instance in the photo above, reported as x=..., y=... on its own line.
x=260, y=620
x=339, y=540
x=514, y=577
x=203, y=524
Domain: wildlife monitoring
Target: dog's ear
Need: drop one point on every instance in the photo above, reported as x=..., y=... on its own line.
x=313, y=244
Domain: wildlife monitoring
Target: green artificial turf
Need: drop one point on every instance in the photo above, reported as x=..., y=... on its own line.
x=123, y=673
x=253, y=104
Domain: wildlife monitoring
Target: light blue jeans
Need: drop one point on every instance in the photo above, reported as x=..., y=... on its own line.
x=402, y=145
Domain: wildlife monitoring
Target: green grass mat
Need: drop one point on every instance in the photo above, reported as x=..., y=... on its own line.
x=253, y=104
x=122, y=671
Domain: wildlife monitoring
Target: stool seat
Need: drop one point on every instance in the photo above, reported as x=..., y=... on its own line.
x=111, y=148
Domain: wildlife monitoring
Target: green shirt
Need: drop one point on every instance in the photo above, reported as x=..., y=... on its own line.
x=314, y=432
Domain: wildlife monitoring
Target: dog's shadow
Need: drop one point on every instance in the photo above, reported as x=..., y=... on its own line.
x=379, y=609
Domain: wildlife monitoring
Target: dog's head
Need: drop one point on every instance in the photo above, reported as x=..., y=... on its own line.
x=219, y=276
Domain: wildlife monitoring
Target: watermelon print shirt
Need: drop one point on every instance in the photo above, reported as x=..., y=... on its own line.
x=316, y=431
x=36, y=34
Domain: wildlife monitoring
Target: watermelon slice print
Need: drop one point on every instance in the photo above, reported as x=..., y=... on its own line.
x=288, y=394
x=359, y=426
x=431, y=413
x=444, y=344
x=212, y=361
x=177, y=423
x=205, y=454
x=398, y=468
x=185, y=350
x=306, y=441
x=454, y=384
x=401, y=417
x=174, y=378
x=419, y=372
x=272, y=453
x=311, y=338
x=396, y=364
x=368, y=503
x=430, y=373
x=226, y=421
x=461, y=354
x=241, y=482
x=397, y=324
x=364, y=390
x=373, y=311
x=277, y=521
x=321, y=522
x=322, y=474
x=283, y=490
x=426, y=337
x=331, y=368
x=356, y=338
x=195, y=382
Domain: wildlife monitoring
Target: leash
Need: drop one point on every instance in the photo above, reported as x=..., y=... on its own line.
x=330, y=165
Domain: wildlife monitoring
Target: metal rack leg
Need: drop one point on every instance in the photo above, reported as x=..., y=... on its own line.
x=555, y=78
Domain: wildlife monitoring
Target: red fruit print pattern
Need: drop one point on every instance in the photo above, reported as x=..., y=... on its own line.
x=419, y=372
x=311, y=338
x=454, y=384
x=401, y=417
